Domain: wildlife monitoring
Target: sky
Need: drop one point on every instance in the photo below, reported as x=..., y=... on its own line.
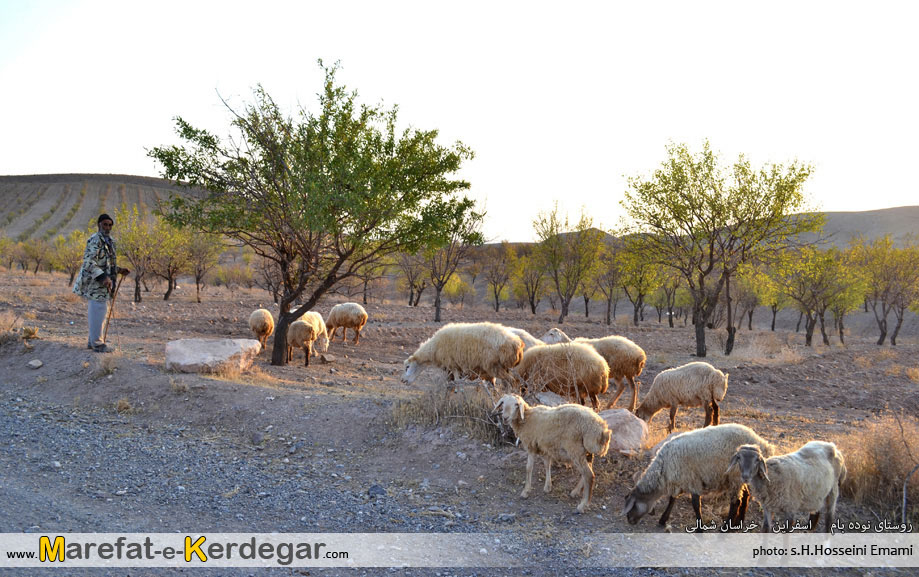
x=559, y=104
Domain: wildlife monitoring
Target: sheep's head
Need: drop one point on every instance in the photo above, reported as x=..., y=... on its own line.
x=637, y=505
x=555, y=335
x=323, y=341
x=509, y=407
x=412, y=368
x=749, y=460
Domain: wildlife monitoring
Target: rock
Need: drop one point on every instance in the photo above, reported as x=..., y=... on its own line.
x=376, y=491
x=629, y=432
x=506, y=518
x=327, y=358
x=35, y=364
x=550, y=399
x=210, y=355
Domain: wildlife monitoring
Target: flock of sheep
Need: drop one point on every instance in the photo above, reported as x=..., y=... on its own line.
x=716, y=458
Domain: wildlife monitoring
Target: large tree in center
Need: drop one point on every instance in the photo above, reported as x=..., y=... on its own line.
x=704, y=220
x=321, y=194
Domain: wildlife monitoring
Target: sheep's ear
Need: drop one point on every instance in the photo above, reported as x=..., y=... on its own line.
x=519, y=406
x=762, y=469
x=629, y=504
x=735, y=460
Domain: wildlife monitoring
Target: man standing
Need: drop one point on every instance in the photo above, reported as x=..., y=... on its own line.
x=96, y=281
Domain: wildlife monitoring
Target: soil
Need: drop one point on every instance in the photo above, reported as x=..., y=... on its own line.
x=330, y=426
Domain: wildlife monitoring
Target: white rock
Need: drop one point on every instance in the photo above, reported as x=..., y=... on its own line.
x=35, y=364
x=551, y=399
x=210, y=355
x=629, y=432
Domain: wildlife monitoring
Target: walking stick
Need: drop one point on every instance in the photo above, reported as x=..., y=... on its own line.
x=111, y=309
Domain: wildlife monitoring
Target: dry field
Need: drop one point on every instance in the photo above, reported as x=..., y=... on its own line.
x=357, y=406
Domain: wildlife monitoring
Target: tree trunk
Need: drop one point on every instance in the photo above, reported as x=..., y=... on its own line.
x=564, y=313
x=615, y=304
x=279, y=352
x=198, y=288
x=882, y=324
x=137, y=281
x=670, y=316
x=417, y=297
x=437, y=304
x=798, y=326
x=169, y=286
x=700, y=336
x=609, y=311
x=809, y=327
x=896, y=329
x=411, y=295
x=366, y=285
x=533, y=305
x=842, y=338
x=660, y=315
x=750, y=319
x=586, y=307
x=775, y=310
x=636, y=306
x=729, y=343
x=826, y=339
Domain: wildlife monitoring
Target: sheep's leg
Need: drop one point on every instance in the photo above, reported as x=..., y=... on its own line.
x=767, y=521
x=308, y=351
x=595, y=402
x=357, y=336
x=739, y=507
x=830, y=508
x=618, y=393
x=673, y=409
x=547, y=462
x=814, y=520
x=634, y=384
x=666, y=515
x=587, y=478
x=708, y=415
x=290, y=353
x=529, y=482
x=697, y=506
x=715, y=414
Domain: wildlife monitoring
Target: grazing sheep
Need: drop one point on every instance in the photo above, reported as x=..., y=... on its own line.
x=694, y=384
x=564, y=433
x=573, y=370
x=301, y=334
x=806, y=481
x=626, y=359
x=695, y=462
x=529, y=340
x=315, y=319
x=262, y=324
x=346, y=316
x=483, y=350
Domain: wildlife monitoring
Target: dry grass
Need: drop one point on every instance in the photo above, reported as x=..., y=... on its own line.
x=885, y=354
x=107, y=364
x=468, y=410
x=767, y=349
x=178, y=387
x=913, y=374
x=124, y=406
x=879, y=454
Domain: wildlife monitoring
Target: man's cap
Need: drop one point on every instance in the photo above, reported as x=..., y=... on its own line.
x=104, y=216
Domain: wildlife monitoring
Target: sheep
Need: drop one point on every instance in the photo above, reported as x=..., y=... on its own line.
x=626, y=359
x=262, y=324
x=692, y=385
x=301, y=334
x=565, y=433
x=529, y=340
x=694, y=462
x=346, y=316
x=322, y=335
x=573, y=370
x=484, y=350
x=806, y=481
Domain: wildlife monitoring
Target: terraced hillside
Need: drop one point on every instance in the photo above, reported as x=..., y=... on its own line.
x=44, y=206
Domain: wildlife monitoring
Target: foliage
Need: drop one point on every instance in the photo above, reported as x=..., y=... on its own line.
x=137, y=243
x=528, y=279
x=704, y=220
x=320, y=194
x=67, y=253
x=457, y=290
x=203, y=252
x=639, y=276
x=890, y=276
x=450, y=245
x=496, y=268
x=568, y=253
x=172, y=255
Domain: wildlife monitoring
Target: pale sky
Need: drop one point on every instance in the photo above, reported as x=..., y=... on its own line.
x=558, y=103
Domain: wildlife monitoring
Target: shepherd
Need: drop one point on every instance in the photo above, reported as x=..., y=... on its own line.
x=97, y=280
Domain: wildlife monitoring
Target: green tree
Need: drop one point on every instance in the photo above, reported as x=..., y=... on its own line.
x=704, y=222
x=137, y=242
x=568, y=253
x=890, y=275
x=496, y=268
x=457, y=290
x=413, y=268
x=608, y=279
x=320, y=194
x=172, y=256
x=639, y=275
x=451, y=244
x=67, y=253
x=528, y=278
x=203, y=251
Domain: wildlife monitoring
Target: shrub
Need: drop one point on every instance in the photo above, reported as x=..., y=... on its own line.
x=467, y=410
x=879, y=454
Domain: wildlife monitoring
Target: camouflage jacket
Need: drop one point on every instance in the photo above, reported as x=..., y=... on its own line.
x=98, y=260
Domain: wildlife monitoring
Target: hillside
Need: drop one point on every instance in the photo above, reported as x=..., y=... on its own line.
x=44, y=206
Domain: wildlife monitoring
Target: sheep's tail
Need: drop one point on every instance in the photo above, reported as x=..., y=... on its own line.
x=597, y=442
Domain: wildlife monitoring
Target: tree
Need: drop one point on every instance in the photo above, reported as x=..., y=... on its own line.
x=608, y=279
x=496, y=268
x=38, y=252
x=457, y=290
x=413, y=268
x=890, y=275
x=567, y=253
x=451, y=244
x=319, y=194
x=67, y=253
x=203, y=252
x=529, y=278
x=137, y=242
x=704, y=224
x=639, y=275
x=171, y=257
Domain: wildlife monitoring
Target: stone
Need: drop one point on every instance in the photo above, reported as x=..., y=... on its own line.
x=376, y=491
x=211, y=355
x=35, y=364
x=629, y=432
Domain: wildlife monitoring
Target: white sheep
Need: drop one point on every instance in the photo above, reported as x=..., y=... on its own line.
x=806, y=481
x=695, y=462
x=694, y=384
x=555, y=335
x=301, y=335
x=262, y=324
x=529, y=340
x=564, y=433
x=346, y=316
x=573, y=370
x=322, y=335
x=481, y=350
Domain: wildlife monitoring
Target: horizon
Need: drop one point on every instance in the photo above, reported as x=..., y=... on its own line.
x=558, y=105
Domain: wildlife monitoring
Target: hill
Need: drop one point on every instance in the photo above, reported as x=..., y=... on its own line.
x=44, y=206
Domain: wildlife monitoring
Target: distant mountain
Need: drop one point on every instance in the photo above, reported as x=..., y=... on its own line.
x=45, y=205
x=42, y=206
